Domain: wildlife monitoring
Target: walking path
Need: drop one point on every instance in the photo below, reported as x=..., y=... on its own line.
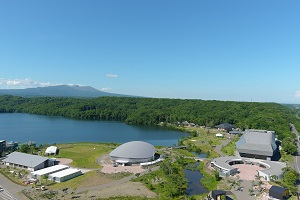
x=219, y=147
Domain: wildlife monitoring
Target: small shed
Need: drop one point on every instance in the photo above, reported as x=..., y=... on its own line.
x=219, y=135
x=216, y=194
x=279, y=192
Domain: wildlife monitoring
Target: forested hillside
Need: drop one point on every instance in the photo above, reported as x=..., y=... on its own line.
x=151, y=111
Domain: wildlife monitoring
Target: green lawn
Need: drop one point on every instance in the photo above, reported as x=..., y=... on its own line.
x=84, y=155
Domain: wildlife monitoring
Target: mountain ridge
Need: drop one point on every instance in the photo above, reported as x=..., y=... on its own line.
x=59, y=91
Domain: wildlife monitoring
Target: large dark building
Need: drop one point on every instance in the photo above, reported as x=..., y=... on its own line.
x=2, y=147
x=257, y=144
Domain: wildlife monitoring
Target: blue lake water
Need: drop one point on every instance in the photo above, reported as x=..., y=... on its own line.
x=46, y=129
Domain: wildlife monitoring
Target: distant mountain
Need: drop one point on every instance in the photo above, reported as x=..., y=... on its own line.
x=58, y=91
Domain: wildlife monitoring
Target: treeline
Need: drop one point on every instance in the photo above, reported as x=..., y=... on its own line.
x=151, y=111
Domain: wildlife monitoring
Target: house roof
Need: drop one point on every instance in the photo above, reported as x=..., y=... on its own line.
x=277, y=192
x=24, y=159
x=49, y=170
x=259, y=143
x=225, y=126
x=65, y=172
x=216, y=193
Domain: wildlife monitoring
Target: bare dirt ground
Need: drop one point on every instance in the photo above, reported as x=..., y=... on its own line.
x=125, y=189
x=64, y=161
x=132, y=169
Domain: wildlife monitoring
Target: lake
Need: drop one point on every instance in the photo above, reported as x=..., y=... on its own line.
x=47, y=129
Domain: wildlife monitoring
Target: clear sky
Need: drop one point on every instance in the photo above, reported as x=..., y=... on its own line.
x=198, y=49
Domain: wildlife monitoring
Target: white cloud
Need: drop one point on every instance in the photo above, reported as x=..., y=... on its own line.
x=22, y=83
x=110, y=75
x=105, y=89
x=297, y=94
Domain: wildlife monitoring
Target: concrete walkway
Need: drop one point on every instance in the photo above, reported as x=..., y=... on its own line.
x=219, y=147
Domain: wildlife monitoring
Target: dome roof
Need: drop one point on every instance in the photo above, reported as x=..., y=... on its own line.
x=134, y=149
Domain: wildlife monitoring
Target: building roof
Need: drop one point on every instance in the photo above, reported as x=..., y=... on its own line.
x=277, y=192
x=222, y=162
x=226, y=126
x=24, y=159
x=65, y=172
x=51, y=149
x=49, y=170
x=273, y=168
x=216, y=193
x=134, y=149
x=257, y=143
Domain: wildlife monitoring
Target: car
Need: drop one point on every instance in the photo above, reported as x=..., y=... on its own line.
x=1, y=189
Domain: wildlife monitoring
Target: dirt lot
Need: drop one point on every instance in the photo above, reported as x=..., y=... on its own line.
x=64, y=161
x=125, y=189
x=132, y=169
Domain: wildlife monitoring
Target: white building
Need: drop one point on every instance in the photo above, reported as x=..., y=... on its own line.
x=64, y=175
x=49, y=170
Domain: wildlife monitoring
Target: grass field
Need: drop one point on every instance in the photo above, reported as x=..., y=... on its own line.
x=84, y=155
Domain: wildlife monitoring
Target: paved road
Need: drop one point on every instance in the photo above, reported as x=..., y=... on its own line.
x=296, y=157
x=11, y=190
x=5, y=195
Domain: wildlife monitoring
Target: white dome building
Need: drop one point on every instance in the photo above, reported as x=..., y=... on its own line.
x=133, y=152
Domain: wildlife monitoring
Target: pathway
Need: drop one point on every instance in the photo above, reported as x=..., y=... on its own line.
x=219, y=147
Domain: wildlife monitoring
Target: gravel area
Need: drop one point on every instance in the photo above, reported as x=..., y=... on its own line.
x=64, y=161
x=108, y=168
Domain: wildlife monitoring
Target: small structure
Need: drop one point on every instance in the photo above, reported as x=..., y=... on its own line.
x=278, y=192
x=225, y=126
x=234, y=132
x=133, y=152
x=52, y=150
x=46, y=171
x=219, y=135
x=217, y=194
x=64, y=175
x=27, y=161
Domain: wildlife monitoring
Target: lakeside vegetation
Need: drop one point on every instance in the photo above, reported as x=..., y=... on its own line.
x=152, y=111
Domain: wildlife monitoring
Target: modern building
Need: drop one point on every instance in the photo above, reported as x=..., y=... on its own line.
x=133, y=152
x=46, y=171
x=225, y=126
x=64, y=175
x=27, y=161
x=2, y=147
x=257, y=144
x=52, y=150
x=277, y=192
x=226, y=166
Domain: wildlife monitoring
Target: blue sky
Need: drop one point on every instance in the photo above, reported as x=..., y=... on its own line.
x=223, y=50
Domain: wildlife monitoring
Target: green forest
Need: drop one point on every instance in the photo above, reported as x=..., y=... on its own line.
x=152, y=111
